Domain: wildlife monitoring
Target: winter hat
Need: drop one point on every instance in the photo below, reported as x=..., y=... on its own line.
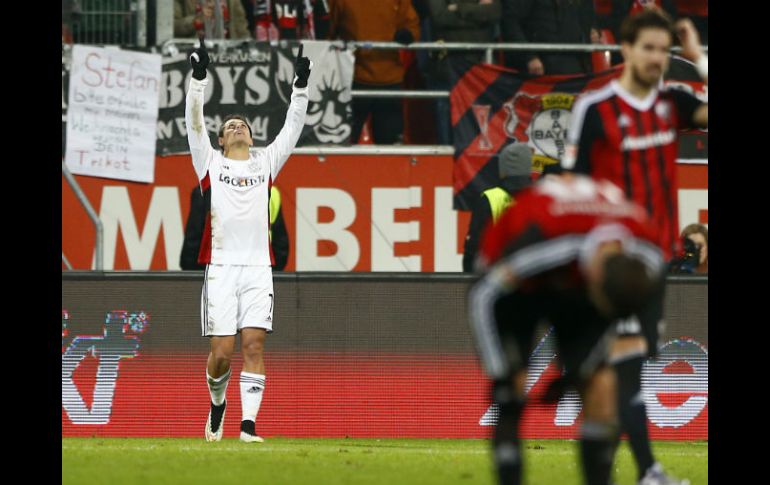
x=515, y=160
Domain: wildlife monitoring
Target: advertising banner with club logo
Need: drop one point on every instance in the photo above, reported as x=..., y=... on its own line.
x=493, y=107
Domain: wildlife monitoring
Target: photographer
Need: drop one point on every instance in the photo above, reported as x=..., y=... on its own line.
x=695, y=260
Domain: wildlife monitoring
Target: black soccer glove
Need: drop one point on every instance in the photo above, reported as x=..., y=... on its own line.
x=199, y=60
x=404, y=36
x=302, y=68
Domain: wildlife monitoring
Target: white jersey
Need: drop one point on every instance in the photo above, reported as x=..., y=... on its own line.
x=239, y=188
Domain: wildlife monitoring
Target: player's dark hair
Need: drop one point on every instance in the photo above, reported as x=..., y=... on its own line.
x=628, y=285
x=649, y=18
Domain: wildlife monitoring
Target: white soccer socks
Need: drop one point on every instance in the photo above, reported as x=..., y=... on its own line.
x=218, y=387
x=215, y=422
x=252, y=386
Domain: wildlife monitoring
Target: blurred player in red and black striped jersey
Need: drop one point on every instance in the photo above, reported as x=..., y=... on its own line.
x=627, y=132
x=577, y=253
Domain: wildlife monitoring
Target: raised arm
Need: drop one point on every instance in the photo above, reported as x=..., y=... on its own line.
x=692, y=50
x=197, y=136
x=278, y=151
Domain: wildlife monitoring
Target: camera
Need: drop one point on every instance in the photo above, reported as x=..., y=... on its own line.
x=689, y=260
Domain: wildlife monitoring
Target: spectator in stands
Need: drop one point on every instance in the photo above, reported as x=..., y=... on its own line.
x=248, y=10
x=384, y=21
x=217, y=19
x=321, y=18
x=547, y=21
x=699, y=235
x=456, y=21
x=70, y=13
x=200, y=206
x=264, y=28
x=294, y=18
x=515, y=166
x=623, y=8
x=279, y=238
x=288, y=19
x=698, y=12
x=422, y=9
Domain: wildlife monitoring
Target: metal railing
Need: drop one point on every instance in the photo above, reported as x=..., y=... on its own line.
x=171, y=47
x=488, y=49
x=450, y=46
x=99, y=263
x=118, y=22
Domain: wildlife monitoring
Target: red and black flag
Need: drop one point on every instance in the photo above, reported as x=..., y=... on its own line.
x=493, y=106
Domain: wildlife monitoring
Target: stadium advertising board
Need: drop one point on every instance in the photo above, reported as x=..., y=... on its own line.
x=343, y=361
x=342, y=213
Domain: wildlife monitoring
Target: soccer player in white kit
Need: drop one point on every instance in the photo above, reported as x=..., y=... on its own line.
x=238, y=283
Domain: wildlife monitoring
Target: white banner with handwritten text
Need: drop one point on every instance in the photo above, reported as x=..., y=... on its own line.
x=113, y=113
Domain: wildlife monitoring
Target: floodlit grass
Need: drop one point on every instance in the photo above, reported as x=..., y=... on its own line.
x=343, y=461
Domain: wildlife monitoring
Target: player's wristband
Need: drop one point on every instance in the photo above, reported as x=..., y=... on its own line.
x=702, y=65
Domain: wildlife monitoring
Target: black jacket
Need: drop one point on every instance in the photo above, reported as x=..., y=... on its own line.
x=622, y=8
x=548, y=21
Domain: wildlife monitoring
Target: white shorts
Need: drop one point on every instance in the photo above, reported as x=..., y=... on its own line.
x=236, y=297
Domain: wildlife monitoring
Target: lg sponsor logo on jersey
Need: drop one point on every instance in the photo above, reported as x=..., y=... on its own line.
x=241, y=181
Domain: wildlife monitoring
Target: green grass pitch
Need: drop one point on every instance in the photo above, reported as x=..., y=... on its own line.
x=343, y=461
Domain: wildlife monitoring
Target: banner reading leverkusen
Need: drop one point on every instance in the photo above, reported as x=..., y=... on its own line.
x=493, y=107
